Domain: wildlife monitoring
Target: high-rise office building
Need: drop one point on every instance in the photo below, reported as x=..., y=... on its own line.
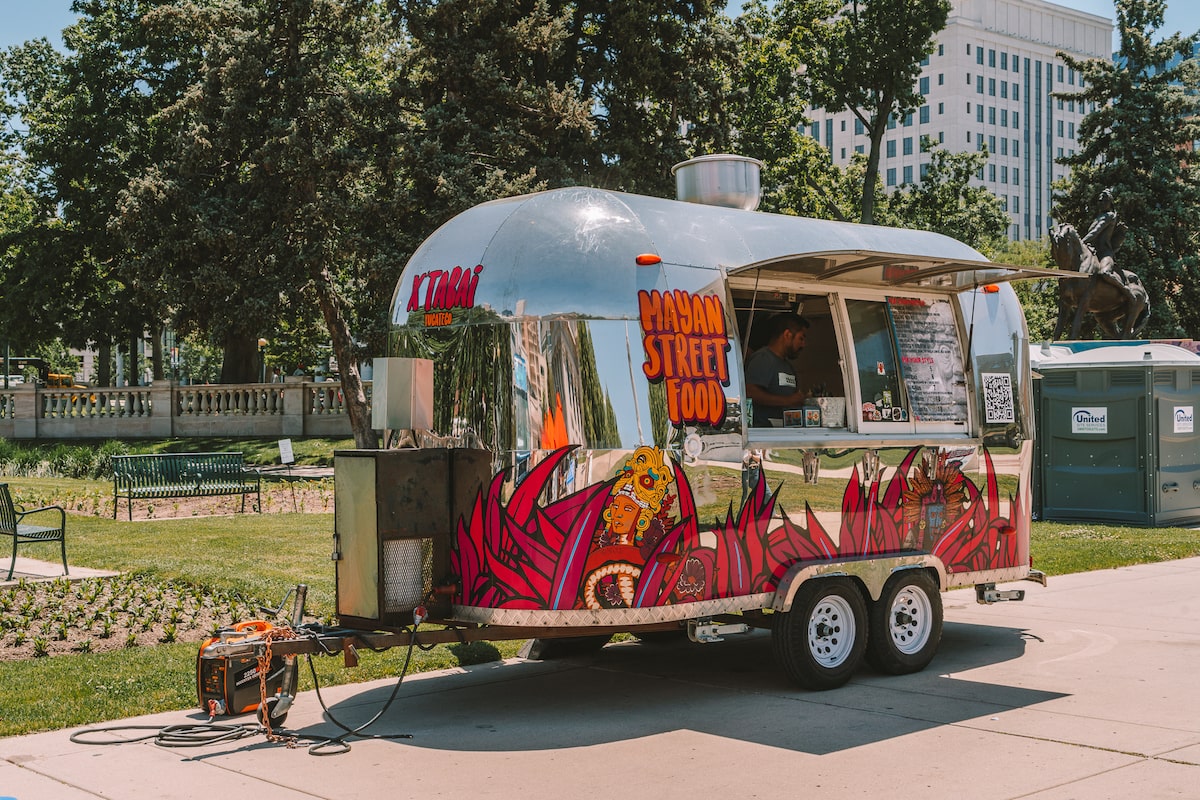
x=988, y=84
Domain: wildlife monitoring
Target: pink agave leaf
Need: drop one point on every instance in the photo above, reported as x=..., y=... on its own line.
x=525, y=496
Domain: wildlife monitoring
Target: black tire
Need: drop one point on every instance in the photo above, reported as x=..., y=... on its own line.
x=905, y=623
x=265, y=709
x=821, y=641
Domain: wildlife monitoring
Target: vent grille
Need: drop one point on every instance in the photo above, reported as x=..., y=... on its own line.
x=407, y=573
x=1127, y=379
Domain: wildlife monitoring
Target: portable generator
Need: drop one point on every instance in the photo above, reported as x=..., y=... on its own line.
x=229, y=685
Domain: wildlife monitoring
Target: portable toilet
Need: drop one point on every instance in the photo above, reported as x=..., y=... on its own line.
x=1116, y=438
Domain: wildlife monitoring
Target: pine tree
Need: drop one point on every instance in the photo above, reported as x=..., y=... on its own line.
x=1137, y=140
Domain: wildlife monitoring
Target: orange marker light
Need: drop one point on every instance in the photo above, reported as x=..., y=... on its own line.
x=991, y=288
x=648, y=260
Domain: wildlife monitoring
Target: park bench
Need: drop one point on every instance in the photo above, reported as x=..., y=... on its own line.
x=21, y=533
x=145, y=477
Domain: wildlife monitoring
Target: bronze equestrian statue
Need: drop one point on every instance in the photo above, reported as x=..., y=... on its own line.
x=1116, y=297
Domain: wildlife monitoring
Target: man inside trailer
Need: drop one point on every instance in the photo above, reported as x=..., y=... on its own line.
x=770, y=377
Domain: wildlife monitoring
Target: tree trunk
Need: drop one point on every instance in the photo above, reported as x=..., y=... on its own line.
x=104, y=372
x=240, y=364
x=343, y=347
x=156, y=353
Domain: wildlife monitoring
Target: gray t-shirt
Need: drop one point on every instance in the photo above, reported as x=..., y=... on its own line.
x=774, y=374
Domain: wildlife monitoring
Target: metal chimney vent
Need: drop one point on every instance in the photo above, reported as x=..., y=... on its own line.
x=719, y=180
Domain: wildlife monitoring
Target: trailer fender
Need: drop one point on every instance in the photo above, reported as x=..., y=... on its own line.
x=871, y=572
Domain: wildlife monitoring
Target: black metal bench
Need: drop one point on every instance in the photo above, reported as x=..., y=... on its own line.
x=144, y=477
x=11, y=525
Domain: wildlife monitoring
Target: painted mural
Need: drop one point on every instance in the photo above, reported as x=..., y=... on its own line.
x=636, y=541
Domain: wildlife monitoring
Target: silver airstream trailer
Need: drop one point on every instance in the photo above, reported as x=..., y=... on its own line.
x=572, y=451
x=592, y=437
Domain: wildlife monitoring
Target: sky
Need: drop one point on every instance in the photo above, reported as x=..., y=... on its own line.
x=28, y=19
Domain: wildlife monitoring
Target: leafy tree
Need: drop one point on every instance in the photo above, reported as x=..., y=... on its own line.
x=279, y=192
x=765, y=106
x=946, y=202
x=87, y=116
x=1138, y=141
x=865, y=56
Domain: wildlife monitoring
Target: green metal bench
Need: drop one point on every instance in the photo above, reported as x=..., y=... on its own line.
x=144, y=477
x=11, y=525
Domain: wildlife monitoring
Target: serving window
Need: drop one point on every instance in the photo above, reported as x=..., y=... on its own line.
x=874, y=362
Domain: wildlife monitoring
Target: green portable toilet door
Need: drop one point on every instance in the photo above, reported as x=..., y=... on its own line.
x=1177, y=484
x=1093, y=459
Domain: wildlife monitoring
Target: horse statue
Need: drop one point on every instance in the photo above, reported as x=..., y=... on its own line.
x=1121, y=311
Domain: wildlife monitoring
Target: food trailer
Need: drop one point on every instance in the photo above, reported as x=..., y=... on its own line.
x=571, y=450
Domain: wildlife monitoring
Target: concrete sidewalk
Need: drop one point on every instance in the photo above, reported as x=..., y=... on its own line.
x=1085, y=690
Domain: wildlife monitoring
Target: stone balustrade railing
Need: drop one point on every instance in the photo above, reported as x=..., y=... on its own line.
x=164, y=410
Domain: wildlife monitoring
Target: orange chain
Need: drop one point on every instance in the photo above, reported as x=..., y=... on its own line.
x=264, y=669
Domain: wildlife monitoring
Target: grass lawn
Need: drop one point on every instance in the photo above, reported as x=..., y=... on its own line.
x=261, y=557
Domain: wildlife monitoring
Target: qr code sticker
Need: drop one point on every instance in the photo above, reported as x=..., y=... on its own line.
x=998, y=398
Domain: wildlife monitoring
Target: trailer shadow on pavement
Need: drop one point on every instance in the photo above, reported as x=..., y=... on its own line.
x=731, y=689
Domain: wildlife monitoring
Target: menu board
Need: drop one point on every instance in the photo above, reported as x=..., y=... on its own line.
x=930, y=358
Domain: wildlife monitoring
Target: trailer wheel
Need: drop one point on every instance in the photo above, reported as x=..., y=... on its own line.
x=821, y=641
x=905, y=624
x=265, y=710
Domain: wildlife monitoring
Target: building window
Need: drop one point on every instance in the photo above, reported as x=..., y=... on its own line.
x=1016, y=199
x=891, y=126
x=991, y=115
x=1059, y=154
x=1060, y=104
x=1070, y=130
x=979, y=113
x=968, y=79
x=908, y=120
x=941, y=108
x=1016, y=119
x=816, y=131
x=924, y=114
x=1003, y=174
x=843, y=126
x=1004, y=202
x=1060, y=73
x=891, y=148
x=924, y=171
x=843, y=154
x=992, y=173
x=1071, y=106
x=1004, y=61
x=1016, y=149
x=908, y=147
x=941, y=79
x=925, y=61
x=924, y=85
x=1060, y=129
x=858, y=148
x=908, y=175
x=1016, y=92
x=941, y=49
x=1016, y=176
x=991, y=58
x=891, y=176
x=968, y=136
x=858, y=127
x=978, y=55
x=1004, y=118
x=942, y=137
x=1004, y=147
x=968, y=48
x=1015, y=62
x=992, y=87
x=1003, y=90
x=979, y=84
x=979, y=174
x=992, y=143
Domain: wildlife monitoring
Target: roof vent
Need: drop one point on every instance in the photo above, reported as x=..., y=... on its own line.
x=719, y=180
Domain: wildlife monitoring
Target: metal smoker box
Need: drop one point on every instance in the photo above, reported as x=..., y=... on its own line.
x=395, y=513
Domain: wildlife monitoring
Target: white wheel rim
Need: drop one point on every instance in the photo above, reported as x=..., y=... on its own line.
x=910, y=620
x=831, y=631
